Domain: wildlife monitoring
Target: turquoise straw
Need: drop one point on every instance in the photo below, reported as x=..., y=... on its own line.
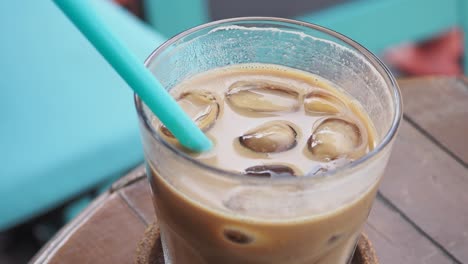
x=137, y=76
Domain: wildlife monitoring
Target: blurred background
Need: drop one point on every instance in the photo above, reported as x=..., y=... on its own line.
x=82, y=133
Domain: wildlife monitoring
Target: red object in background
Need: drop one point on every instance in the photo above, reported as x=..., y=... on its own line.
x=441, y=55
x=134, y=6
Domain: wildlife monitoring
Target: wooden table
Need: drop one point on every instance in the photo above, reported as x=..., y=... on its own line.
x=420, y=215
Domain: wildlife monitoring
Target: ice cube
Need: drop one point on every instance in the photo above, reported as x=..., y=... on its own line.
x=270, y=171
x=202, y=106
x=271, y=137
x=262, y=97
x=337, y=138
x=320, y=102
x=264, y=201
x=237, y=236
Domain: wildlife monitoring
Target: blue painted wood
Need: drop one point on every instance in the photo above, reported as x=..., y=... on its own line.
x=174, y=16
x=73, y=210
x=380, y=24
x=463, y=21
x=83, y=128
x=376, y=24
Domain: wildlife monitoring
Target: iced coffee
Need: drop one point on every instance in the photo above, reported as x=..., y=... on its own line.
x=302, y=120
x=272, y=123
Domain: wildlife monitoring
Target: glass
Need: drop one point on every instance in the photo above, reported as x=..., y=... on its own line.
x=325, y=227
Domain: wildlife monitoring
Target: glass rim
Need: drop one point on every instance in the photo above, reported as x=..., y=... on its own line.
x=374, y=61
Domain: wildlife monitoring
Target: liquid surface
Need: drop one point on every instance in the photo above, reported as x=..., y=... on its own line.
x=270, y=121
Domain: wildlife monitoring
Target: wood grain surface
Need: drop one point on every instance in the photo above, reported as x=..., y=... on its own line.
x=439, y=106
x=396, y=241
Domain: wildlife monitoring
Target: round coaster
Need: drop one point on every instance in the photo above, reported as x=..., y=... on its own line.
x=149, y=250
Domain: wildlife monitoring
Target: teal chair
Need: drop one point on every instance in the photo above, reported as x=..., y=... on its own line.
x=377, y=24
x=67, y=120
